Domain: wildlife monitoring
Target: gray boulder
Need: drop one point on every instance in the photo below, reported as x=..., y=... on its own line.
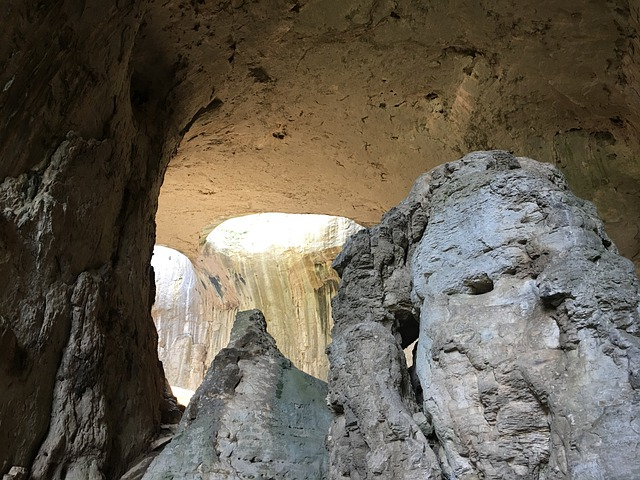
x=254, y=416
x=527, y=364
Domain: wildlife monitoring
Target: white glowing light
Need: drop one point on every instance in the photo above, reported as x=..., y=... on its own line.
x=275, y=232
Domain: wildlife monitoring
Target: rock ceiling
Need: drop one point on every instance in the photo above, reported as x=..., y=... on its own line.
x=336, y=107
x=330, y=107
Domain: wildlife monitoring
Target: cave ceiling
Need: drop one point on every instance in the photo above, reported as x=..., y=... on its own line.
x=335, y=107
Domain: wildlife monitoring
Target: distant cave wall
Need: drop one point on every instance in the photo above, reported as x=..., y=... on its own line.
x=196, y=303
x=193, y=320
x=294, y=289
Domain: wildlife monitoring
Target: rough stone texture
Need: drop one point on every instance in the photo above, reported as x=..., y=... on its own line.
x=192, y=319
x=340, y=106
x=254, y=416
x=131, y=79
x=278, y=263
x=80, y=171
x=80, y=381
x=528, y=352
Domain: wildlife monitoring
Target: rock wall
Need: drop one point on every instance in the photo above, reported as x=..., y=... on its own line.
x=95, y=97
x=254, y=416
x=326, y=112
x=82, y=393
x=192, y=319
x=278, y=263
x=528, y=352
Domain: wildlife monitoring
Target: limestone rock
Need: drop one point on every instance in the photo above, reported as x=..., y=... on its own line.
x=278, y=263
x=281, y=264
x=305, y=122
x=192, y=319
x=96, y=97
x=81, y=388
x=254, y=416
x=16, y=473
x=528, y=351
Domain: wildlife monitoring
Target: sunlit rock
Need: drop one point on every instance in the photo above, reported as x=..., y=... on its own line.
x=278, y=263
x=254, y=416
x=528, y=358
x=191, y=318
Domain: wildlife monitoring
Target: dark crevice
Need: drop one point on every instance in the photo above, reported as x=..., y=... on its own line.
x=479, y=285
x=210, y=107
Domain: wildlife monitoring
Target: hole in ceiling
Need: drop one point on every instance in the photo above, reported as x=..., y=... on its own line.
x=276, y=262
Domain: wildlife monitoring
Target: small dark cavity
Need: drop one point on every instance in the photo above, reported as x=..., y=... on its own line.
x=394, y=15
x=554, y=300
x=260, y=75
x=604, y=137
x=617, y=121
x=431, y=96
x=408, y=327
x=279, y=135
x=480, y=284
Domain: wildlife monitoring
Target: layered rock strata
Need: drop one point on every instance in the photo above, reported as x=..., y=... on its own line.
x=254, y=416
x=192, y=319
x=528, y=357
x=278, y=263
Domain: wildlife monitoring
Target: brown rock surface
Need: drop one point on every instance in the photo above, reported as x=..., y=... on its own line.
x=325, y=92
x=95, y=98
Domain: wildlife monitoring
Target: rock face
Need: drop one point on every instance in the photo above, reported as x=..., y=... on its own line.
x=192, y=319
x=319, y=108
x=278, y=263
x=82, y=391
x=96, y=97
x=254, y=416
x=528, y=355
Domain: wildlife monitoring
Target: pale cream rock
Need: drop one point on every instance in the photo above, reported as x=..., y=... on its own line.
x=276, y=262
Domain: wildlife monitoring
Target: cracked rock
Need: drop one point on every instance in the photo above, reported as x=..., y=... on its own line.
x=527, y=360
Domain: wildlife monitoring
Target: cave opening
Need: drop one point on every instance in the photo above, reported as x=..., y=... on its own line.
x=279, y=263
x=310, y=108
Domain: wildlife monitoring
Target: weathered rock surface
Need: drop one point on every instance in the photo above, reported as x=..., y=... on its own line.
x=95, y=97
x=82, y=392
x=320, y=108
x=192, y=319
x=280, y=264
x=528, y=354
x=254, y=416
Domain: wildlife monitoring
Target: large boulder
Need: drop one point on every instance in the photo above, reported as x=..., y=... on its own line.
x=254, y=416
x=527, y=364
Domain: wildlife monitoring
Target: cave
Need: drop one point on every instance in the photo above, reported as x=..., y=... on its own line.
x=277, y=263
x=238, y=107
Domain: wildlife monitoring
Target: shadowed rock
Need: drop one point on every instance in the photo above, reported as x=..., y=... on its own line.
x=254, y=416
